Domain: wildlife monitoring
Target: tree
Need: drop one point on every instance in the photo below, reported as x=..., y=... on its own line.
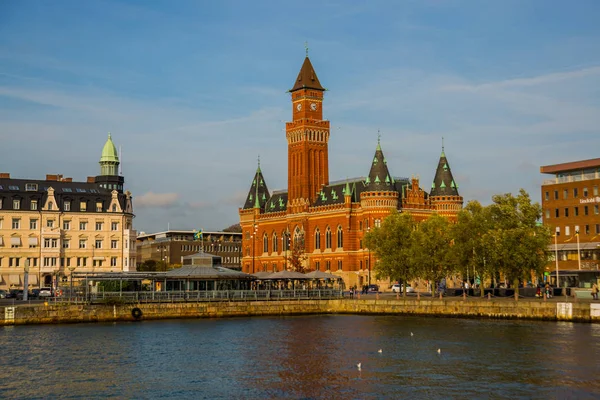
x=297, y=256
x=518, y=243
x=431, y=249
x=393, y=246
x=153, y=266
x=469, y=249
x=234, y=228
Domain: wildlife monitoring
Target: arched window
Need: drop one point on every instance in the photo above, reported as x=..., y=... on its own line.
x=265, y=243
x=285, y=238
x=318, y=239
x=298, y=238
x=340, y=237
x=275, y=247
x=377, y=223
x=328, y=238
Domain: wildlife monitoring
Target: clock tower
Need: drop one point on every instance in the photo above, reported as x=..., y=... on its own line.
x=307, y=136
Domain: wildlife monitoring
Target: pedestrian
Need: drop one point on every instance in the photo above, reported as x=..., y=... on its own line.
x=595, y=291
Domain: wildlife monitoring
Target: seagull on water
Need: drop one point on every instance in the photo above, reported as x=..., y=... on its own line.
x=358, y=366
x=380, y=351
x=411, y=334
x=439, y=351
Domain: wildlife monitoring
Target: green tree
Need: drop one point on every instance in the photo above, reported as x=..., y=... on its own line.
x=393, y=246
x=296, y=256
x=517, y=242
x=153, y=266
x=431, y=249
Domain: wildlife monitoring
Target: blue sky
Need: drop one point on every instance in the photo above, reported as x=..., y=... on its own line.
x=194, y=91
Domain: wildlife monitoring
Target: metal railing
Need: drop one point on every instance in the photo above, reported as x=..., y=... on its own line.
x=212, y=295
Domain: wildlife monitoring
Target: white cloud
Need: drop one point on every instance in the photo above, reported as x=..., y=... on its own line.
x=160, y=200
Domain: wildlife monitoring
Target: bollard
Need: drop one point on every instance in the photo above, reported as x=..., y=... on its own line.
x=440, y=294
x=377, y=296
x=489, y=296
x=544, y=296
x=418, y=295
x=358, y=296
x=397, y=295
x=464, y=295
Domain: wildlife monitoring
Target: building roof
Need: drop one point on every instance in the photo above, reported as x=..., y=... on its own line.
x=307, y=78
x=258, y=195
x=206, y=272
x=109, y=151
x=443, y=182
x=570, y=166
x=379, y=179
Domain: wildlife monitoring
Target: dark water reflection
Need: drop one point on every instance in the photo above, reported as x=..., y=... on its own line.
x=303, y=358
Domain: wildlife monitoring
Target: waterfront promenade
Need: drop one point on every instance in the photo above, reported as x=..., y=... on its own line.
x=555, y=309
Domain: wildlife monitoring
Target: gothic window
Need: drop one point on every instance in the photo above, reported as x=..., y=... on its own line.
x=265, y=243
x=377, y=223
x=317, y=239
x=340, y=237
x=328, y=238
x=285, y=238
x=298, y=238
x=275, y=247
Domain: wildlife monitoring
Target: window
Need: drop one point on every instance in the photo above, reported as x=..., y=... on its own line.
x=317, y=265
x=585, y=210
x=80, y=190
x=54, y=243
x=50, y=205
x=66, y=244
x=556, y=195
x=568, y=230
x=596, y=209
x=328, y=238
x=97, y=263
x=66, y=225
x=114, y=208
x=67, y=206
x=565, y=193
x=587, y=229
x=98, y=207
x=33, y=224
x=34, y=204
x=16, y=204
x=33, y=261
x=576, y=211
x=49, y=261
x=113, y=261
x=597, y=229
x=13, y=261
x=114, y=226
x=575, y=192
x=274, y=245
x=50, y=223
x=46, y=243
x=585, y=192
x=114, y=244
x=595, y=194
x=340, y=237
x=327, y=265
x=547, y=195
x=99, y=226
x=67, y=190
x=339, y=264
x=566, y=211
x=377, y=223
x=31, y=187
x=83, y=206
x=556, y=213
x=81, y=261
x=82, y=243
x=547, y=217
x=82, y=226
x=317, y=239
x=98, y=243
x=16, y=223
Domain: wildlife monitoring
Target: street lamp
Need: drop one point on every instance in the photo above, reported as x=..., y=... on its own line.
x=369, y=260
x=253, y=236
x=285, y=241
x=578, y=251
x=71, y=269
x=26, y=280
x=556, y=255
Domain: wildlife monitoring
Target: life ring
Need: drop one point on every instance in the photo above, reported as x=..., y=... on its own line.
x=136, y=313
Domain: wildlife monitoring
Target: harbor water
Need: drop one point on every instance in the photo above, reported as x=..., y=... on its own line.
x=307, y=357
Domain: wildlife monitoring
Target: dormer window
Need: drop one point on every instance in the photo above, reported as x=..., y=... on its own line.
x=67, y=206
x=50, y=205
x=34, y=205
x=83, y=206
x=31, y=187
x=16, y=204
x=99, y=207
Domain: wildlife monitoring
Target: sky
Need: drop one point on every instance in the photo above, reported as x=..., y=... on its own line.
x=194, y=91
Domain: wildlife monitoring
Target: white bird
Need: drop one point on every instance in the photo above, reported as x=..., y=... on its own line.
x=380, y=351
x=411, y=334
x=439, y=351
x=358, y=366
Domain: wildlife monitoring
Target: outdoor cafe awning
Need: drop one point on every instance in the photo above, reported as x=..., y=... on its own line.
x=281, y=275
x=14, y=279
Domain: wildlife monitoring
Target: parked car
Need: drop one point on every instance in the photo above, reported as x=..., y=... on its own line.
x=34, y=293
x=373, y=289
x=3, y=294
x=45, y=292
x=397, y=288
x=12, y=293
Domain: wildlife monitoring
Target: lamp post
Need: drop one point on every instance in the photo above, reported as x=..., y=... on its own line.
x=26, y=280
x=56, y=271
x=369, y=261
x=578, y=251
x=71, y=269
x=285, y=241
x=253, y=245
x=556, y=255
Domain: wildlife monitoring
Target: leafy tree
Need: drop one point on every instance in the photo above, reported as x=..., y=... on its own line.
x=153, y=266
x=431, y=249
x=297, y=256
x=234, y=228
x=393, y=246
x=517, y=242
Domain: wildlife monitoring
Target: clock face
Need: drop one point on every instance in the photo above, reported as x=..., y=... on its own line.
x=299, y=106
x=313, y=106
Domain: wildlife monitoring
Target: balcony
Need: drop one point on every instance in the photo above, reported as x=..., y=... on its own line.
x=571, y=178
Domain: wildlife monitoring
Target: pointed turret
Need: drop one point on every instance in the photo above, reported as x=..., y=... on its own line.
x=109, y=160
x=443, y=183
x=379, y=178
x=258, y=195
x=307, y=78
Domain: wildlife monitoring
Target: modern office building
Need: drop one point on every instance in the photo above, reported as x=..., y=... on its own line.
x=326, y=221
x=56, y=225
x=571, y=208
x=172, y=245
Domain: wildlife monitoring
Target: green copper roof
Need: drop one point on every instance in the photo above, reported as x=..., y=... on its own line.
x=109, y=151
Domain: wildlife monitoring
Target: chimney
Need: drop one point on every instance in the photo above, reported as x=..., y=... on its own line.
x=4, y=175
x=50, y=177
x=67, y=180
x=91, y=179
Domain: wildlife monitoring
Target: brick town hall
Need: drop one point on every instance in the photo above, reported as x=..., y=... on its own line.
x=326, y=221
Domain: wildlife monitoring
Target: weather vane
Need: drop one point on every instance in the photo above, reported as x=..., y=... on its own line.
x=259, y=161
x=378, y=137
x=306, y=48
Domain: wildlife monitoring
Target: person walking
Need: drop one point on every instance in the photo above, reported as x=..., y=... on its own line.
x=595, y=291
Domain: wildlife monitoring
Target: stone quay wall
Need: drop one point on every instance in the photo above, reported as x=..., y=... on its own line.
x=54, y=313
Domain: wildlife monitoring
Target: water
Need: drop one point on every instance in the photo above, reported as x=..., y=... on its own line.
x=312, y=357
